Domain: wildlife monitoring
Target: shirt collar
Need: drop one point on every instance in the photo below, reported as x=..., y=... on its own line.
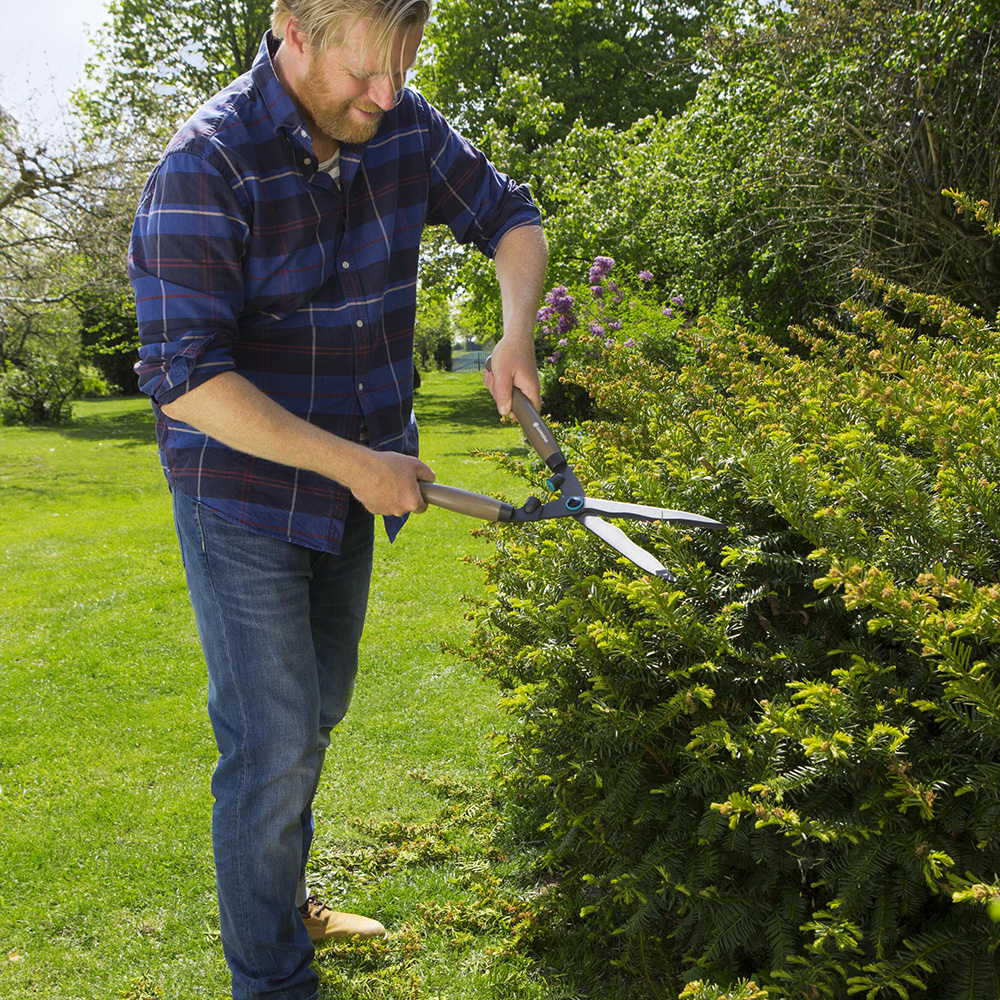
x=280, y=106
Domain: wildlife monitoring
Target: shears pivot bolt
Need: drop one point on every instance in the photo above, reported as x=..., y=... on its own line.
x=574, y=503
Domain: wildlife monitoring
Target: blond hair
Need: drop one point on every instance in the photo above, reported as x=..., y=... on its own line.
x=324, y=22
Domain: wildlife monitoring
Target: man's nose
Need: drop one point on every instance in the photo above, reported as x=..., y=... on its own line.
x=382, y=93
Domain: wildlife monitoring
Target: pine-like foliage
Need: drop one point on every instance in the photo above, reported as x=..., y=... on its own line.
x=784, y=766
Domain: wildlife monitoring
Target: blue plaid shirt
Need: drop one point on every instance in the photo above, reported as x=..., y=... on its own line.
x=244, y=257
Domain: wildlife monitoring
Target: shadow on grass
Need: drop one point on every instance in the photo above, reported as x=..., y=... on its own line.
x=453, y=415
x=133, y=428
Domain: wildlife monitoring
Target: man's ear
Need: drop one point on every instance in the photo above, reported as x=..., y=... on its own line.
x=296, y=40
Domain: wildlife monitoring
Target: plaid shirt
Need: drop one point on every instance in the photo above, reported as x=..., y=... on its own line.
x=244, y=257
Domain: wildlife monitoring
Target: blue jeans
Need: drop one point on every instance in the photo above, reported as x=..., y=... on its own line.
x=280, y=627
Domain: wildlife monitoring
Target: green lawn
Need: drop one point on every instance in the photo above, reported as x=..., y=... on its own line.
x=105, y=752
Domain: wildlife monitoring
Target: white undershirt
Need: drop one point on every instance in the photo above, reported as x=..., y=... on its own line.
x=332, y=166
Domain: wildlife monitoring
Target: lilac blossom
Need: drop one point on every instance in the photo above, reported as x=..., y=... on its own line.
x=600, y=269
x=560, y=302
x=597, y=329
x=668, y=312
x=678, y=300
x=629, y=343
x=645, y=277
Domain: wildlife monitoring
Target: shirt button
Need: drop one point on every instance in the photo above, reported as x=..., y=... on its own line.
x=361, y=322
x=307, y=161
x=361, y=387
x=345, y=264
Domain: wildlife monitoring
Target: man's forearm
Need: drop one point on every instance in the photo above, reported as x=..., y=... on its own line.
x=520, y=261
x=235, y=412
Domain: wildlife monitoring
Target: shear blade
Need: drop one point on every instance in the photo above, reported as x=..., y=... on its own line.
x=639, y=512
x=617, y=538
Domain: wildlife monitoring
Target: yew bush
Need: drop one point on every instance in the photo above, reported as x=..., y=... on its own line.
x=784, y=766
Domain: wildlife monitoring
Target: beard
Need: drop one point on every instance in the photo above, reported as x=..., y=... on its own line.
x=337, y=119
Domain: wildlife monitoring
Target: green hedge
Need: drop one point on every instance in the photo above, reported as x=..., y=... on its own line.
x=785, y=766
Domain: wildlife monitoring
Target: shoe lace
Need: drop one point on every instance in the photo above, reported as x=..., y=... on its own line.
x=315, y=906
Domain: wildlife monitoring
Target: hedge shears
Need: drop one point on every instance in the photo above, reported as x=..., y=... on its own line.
x=571, y=502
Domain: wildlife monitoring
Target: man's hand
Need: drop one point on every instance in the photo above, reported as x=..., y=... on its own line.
x=510, y=367
x=389, y=483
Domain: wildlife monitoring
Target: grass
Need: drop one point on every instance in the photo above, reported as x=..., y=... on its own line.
x=106, y=754
x=105, y=751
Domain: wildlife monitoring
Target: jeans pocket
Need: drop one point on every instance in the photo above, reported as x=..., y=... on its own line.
x=199, y=525
x=188, y=524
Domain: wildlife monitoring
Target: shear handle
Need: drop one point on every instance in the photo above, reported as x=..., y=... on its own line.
x=465, y=502
x=535, y=428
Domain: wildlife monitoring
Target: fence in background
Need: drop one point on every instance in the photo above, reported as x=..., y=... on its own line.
x=469, y=361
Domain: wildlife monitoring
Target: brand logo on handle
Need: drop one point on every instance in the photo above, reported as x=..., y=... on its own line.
x=540, y=430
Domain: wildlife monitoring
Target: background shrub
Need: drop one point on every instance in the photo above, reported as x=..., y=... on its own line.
x=785, y=765
x=38, y=391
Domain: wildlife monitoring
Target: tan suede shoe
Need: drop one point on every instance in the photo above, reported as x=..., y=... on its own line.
x=322, y=923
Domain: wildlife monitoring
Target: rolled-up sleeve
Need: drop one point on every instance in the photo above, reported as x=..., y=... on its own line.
x=468, y=194
x=185, y=266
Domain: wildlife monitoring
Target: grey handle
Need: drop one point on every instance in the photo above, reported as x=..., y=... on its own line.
x=535, y=429
x=465, y=502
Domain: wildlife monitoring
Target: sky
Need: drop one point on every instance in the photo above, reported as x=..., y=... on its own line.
x=45, y=49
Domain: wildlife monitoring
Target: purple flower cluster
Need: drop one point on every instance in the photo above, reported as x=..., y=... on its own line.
x=678, y=300
x=600, y=269
x=559, y=307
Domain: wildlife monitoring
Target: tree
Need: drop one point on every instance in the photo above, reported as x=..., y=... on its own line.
x=155, y=61
x=158, y=59
x=823, y=139
x=549, y=92
x=64, y=211
x=604, y=63
x=433, y=332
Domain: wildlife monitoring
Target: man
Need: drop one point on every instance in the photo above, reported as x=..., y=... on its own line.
x=274, y=261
